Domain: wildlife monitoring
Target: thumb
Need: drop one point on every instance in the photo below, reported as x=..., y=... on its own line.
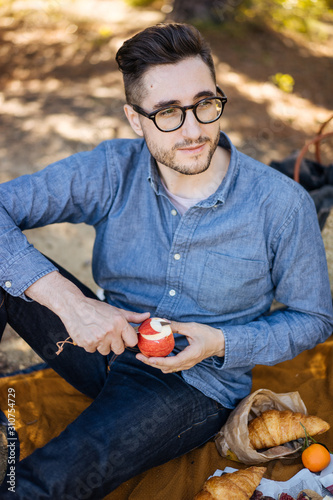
x=181, y=328
x=134, y=317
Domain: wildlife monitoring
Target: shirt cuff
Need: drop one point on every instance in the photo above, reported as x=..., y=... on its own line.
x=23, y=271
x=238, y=348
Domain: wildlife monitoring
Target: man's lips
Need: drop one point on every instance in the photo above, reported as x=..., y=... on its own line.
x=196, y=149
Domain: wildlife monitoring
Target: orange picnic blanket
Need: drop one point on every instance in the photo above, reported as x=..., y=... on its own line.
x=46, y=404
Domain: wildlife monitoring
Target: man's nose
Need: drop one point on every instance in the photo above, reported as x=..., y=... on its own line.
x=191, y=127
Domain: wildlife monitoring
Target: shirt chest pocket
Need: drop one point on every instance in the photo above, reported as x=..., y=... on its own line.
x=231, y=284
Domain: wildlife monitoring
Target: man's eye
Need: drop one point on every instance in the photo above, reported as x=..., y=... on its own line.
x=165, y=113
x=205, y=104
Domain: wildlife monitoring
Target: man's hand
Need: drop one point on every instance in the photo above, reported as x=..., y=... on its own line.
x=96, y=325
x=204, y=341
x=92, y=324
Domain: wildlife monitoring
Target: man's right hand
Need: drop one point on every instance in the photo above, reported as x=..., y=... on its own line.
x=92, y=324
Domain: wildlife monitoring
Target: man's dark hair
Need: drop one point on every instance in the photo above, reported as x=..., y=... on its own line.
x=160, y=44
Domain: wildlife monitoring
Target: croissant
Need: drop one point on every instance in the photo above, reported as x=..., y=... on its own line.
x=274, y=427
x=238, y=485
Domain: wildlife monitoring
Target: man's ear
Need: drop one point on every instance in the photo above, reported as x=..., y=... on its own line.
x=134, y=120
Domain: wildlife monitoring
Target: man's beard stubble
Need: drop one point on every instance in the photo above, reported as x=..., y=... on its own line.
x=167, y=158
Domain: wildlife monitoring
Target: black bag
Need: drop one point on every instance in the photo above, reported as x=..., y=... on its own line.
x=316, y=178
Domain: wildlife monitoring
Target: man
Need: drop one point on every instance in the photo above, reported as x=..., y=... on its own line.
x=188, y=229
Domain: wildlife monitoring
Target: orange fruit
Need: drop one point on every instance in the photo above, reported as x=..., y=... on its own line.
x=316, y=457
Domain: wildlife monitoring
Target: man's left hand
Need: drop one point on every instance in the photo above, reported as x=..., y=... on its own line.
x=204, y=341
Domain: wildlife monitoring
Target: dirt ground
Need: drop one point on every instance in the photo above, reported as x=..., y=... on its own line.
x=60, y=92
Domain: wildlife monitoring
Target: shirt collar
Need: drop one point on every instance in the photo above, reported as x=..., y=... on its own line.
x=153, y=176
x=221, y=193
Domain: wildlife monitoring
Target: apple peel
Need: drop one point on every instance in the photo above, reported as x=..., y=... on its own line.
x=155, y=337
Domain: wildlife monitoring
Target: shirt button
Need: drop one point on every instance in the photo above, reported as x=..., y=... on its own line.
x=174, y=212
x=176, y=256
x=8, y=284
x=172, y=293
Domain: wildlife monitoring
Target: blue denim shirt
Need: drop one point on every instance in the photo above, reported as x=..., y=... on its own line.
x=255, y=239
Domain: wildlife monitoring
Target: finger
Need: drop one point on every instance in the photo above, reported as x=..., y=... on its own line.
x=170, y=370
x=154, y=362
x=116, y=347
x=134, y=317
x=181, y=328
x=170, y=363
x=88, y=348
x=182, y=361
x=104, y=350
x=88, y=344
x=148, y=361
x=144, y=359
x=129, y=335
x=79, y=343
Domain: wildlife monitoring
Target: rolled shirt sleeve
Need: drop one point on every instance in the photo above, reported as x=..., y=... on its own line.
x=28, y=266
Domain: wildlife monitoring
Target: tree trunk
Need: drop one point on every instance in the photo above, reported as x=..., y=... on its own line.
x=203, y=10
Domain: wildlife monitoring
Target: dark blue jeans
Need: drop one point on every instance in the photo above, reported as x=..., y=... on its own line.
x=139, y=417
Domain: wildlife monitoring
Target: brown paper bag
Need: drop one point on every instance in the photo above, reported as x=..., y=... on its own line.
x=233, y=439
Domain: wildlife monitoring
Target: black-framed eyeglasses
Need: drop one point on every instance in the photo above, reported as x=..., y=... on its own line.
x=170, y=118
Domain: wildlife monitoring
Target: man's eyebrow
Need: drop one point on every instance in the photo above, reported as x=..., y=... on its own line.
x=176, y=102
x=165, y=104
x=205, y=93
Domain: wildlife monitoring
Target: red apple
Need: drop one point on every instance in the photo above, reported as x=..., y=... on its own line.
x=155, y=337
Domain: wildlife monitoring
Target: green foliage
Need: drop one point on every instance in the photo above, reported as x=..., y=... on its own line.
x=139, y=3
x=295, y=15
x=283, y=81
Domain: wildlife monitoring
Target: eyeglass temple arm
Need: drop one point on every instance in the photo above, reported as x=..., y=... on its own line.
x=140, y=110
x=220, y=91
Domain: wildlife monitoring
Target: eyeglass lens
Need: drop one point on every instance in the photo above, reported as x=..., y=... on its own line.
x=206, y=111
